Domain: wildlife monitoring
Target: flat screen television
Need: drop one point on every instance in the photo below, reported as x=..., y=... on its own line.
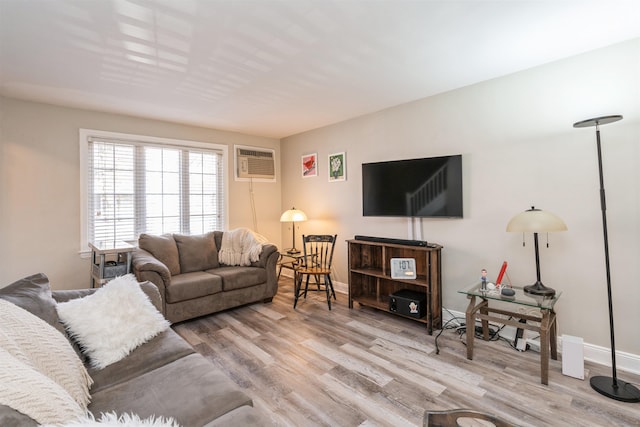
x=429, y=188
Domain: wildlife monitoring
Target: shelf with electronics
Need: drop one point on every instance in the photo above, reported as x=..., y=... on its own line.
x=372, y=284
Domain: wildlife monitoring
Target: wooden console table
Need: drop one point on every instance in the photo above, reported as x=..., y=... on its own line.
x=546, y=323
x=371, y=282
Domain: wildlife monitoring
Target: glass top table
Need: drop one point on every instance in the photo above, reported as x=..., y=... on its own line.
x=545, y=323
x=520, y=297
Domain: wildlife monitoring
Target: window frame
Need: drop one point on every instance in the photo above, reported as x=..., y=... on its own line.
x=84, y=138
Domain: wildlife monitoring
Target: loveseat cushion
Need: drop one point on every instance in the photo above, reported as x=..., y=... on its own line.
x=165, y=348
x=237, y=277
x=193, y=285
x=164, y=248
x=190, y=390
x=197, y=253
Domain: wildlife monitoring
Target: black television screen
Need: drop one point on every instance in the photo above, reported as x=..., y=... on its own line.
x=429, y=187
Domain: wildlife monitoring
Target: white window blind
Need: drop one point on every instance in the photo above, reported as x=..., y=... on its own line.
x=139, y=187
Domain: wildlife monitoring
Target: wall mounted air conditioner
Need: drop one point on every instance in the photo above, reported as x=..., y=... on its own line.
x=254, y=163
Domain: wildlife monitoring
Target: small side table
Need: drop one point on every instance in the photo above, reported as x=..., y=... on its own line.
x=547, y=319
x=289, y=261
x=101, y=269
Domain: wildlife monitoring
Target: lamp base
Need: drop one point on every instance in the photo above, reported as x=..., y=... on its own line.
x=293, y=251
x=623, y=391
x=539, y=289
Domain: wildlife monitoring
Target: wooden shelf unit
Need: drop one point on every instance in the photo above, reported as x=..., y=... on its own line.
x=370, y=281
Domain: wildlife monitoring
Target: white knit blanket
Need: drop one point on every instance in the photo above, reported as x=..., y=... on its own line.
x=240, y=246
x=40, y=374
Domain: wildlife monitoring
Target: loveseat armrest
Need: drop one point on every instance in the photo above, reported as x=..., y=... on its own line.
x=146, y=267
x=144, y=261
x=267, y=250
x=153, y=293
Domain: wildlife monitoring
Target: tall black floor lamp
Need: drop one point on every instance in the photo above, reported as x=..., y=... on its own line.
x=609, y=386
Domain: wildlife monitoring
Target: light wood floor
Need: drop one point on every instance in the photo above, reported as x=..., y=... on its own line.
x=362, y=367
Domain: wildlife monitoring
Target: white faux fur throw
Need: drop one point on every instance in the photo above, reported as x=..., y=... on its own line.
x=111, y=419
x=240, y=246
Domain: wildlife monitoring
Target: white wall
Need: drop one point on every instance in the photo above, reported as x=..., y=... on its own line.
x=519, y=149
x=40, y=187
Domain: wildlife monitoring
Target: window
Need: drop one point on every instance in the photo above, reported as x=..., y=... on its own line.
x=134, y=185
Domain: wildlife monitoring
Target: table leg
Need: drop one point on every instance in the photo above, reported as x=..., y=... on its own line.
x=554, y=336
x=484, y=309
x=470, y=322
x=544, y=347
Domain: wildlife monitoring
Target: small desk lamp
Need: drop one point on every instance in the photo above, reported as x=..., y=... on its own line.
x=293, y=215
x=536, y=221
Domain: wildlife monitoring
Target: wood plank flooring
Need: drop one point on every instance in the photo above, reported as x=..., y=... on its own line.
x=362, y=367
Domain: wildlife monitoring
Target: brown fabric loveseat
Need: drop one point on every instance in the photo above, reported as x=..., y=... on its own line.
x=163, y=377
x=191, y=280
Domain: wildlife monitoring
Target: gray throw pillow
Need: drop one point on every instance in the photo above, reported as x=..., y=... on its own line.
x=33, y=293
x=197, y=253
x=163, y=248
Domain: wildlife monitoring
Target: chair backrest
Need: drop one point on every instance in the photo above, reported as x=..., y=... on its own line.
x=454, y=418
x=318, y=250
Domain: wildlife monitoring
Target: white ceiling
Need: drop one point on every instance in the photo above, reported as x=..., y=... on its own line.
x=277, y=68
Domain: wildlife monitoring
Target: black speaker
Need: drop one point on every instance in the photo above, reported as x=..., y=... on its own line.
x=408, y=303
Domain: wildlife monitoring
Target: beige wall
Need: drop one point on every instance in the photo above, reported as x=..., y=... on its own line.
x=40, y=188
x=519, y=149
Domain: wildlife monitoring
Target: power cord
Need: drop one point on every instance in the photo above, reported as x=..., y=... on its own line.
x=461, y=329
x=446, y=326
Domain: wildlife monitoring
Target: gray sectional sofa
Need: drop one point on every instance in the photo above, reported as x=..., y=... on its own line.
x=191, y=280
x=163, y=377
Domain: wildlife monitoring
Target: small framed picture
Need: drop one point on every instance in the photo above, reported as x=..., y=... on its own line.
x=403, y=268
x=310, y=165
x=337, y=167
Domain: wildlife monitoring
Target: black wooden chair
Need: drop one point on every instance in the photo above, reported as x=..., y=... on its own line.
x=316, y=262
x=462, y=417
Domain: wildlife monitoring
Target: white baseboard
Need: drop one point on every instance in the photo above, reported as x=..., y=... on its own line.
x=339, y=287
x=597, y=354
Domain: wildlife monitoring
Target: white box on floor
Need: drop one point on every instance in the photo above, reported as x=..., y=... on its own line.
x=573, y=356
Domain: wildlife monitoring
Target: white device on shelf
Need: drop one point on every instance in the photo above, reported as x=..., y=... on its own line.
x=403, y=268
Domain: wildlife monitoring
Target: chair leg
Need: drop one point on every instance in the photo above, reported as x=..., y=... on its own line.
x=333, y=292
x=297, y=284
x=306, y=286
x=327, y=289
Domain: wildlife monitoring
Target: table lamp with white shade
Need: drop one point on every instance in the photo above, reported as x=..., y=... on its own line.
x=537, y=221
x=293, y=215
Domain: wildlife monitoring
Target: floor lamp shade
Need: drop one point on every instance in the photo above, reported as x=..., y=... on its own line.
x=293, y=215
x=536, y=221
x=611, y=386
